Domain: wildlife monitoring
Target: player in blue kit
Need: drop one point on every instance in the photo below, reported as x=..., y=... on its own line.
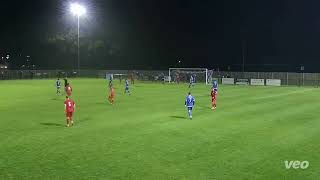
x=215, y=85
x=58, y=85
x=110, y=83
x=127, y=88
x=110, y=77
x=189, y=103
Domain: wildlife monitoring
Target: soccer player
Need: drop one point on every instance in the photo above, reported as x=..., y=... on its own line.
x=110, y=83
x=69, y=106
x=191, y=81
x=65, y=82
x=68, y=89
x=189, y=103
x=112, y=95
x=178, y=77
x=162, y=77
x=58, y=85
x=215, y=84
x=214, y=93
x=127, y=89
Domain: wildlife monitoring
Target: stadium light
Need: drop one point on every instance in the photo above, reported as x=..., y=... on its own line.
x=78, y=10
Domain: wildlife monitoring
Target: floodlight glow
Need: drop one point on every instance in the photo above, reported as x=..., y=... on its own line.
x=77, y=9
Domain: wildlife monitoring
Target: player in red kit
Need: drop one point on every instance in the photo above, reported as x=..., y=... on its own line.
x=112, y=95
x=214, y=93
x=69, y=109
x=68, y=89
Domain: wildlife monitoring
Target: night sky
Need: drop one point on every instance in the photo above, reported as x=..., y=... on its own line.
x=273, y=35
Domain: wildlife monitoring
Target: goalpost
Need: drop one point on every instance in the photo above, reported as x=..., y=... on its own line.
x=183, y=75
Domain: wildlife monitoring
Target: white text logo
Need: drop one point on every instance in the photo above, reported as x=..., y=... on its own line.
x=296, y=164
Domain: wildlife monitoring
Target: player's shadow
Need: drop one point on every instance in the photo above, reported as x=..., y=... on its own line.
x=178, y=117
x=52, y=124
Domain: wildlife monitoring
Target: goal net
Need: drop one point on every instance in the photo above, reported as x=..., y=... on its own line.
x=113, y=77
x=182, y=75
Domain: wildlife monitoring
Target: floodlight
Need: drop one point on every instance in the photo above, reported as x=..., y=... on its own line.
x=77, y=9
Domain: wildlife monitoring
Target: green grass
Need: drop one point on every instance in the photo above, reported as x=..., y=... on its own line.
x=147, y=135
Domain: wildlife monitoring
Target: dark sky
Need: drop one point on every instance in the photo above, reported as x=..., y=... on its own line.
x=274, y=35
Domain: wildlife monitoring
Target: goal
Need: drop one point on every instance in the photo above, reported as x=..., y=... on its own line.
x=183, y=75
x=120, y=77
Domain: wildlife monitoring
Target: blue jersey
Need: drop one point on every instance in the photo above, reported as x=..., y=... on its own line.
x=215, y=85
x=190, y=101
x=127, y=84
x=58, y=83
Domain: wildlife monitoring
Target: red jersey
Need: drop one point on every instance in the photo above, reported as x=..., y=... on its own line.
x=69, y=104
x=213, y=94
x=113, y=92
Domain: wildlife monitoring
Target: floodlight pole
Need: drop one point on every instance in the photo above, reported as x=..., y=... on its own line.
x=78, y=44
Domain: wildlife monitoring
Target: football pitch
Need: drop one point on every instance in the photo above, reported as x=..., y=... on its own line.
x=148, y=136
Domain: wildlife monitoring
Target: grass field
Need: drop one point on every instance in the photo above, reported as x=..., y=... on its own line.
x=147, y=135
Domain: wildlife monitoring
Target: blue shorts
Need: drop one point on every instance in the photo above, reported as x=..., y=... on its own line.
x=189, y=108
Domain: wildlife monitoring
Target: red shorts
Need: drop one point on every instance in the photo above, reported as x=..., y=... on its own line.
x=69, y=114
